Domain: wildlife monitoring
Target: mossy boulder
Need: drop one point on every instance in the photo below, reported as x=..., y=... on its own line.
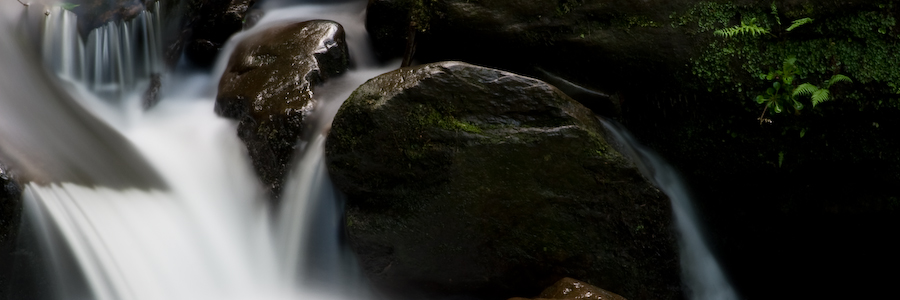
x=827, y=172
x=268, y=86
x=468, y=180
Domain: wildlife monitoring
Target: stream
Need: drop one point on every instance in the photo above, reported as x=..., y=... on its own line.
x=128, y=203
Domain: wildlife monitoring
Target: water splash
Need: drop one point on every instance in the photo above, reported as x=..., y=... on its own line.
x=701, y=273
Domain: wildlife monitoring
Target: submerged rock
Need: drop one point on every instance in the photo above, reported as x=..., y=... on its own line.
x=464, y=179
x=568, y=288
x=268, y=86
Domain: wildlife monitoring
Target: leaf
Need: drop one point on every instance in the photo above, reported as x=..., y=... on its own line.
x=744, y=28
x=760, y=99
x=68, y=6
x=805, y=89
x=837, y=78
x=788, y=80
x=798, y=23
x=797, y=104
x=790, y=61
x=775, y=13
x=780, y=158
x=776, y=85
x=802, y=132
x=778, y=108
x=820, y=96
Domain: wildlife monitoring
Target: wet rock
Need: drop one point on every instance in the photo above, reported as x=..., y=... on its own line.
x=568, y=288
x=213, y=22
x=469, y=180
x=95, y=13
x=151, y=95
x=268, y=86
x=10, y=206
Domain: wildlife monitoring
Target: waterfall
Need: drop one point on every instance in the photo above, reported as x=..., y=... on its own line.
x=163, y=203
x=701, y=273
x=116, y=59
x=205, y=231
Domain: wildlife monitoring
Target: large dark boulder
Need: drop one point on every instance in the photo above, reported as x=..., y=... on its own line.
x=823, y=174
x=469, y=180
x=268, y=86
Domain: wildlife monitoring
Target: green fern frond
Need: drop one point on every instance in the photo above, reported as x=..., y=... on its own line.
x=775, y=13
x=744, y=28
x=820, y=96
x=805, y=89
x=837, y=78
x=799, y=22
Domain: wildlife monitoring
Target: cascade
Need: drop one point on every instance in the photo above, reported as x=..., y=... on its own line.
x=198, y=227
x=701, y=273
x=116, y=59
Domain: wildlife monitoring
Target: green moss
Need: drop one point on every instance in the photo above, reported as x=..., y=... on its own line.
x=704, y=17
x=861, y=45
x=448, y=122
x=641, y=21
x=566, y=6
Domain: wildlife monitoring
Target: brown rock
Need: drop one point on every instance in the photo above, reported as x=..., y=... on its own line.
x=568, y=288
x=268, y=86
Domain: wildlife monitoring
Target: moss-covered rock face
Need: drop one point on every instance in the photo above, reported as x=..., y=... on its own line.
x=464, y=179
x=268, y=86
x=798, y=181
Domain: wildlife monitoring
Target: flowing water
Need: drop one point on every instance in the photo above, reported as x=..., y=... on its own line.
x=702, y=275
x=163, y=203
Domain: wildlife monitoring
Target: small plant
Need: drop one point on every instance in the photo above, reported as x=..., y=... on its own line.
x=782, y=96
x=817, y=94
x=798, y=23
x=744, y=28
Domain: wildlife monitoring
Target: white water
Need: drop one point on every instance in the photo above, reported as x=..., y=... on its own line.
x=117, y=58
x=701, y=273
x=207, y=232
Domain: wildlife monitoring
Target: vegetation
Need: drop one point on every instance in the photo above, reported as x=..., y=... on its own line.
x=744, y=28
x=782, y=94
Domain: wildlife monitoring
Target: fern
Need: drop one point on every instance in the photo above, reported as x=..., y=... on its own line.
x=837, y=78
x=820, y=96
x=798, y=23
x=775, y=13
x=805, y=89
x=744, y=28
